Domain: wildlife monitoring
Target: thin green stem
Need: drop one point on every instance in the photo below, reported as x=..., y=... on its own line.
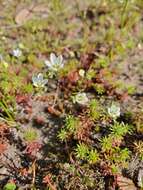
x=123, y=13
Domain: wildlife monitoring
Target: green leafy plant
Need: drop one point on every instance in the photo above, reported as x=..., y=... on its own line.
x=91, y=73
x=99, y=88
x=63, y=134
x=106, y=144
x=94, y=109
x=82, y=151
x=93, y=156
x=103, y=61
x=10, y=186
x=71, y=123
x=119, y=130
x=120, y=157
x=131, y=89
x=30, y=135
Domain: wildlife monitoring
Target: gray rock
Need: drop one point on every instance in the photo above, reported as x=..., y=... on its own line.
x=140, y=177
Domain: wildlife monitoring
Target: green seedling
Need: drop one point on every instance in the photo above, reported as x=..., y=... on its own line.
x=71, y=123
x=94, y=110
x=63, y=134
x=93, y=156
x=82, y=151
x=30, y=135
x=10, y=186
x=119, y=130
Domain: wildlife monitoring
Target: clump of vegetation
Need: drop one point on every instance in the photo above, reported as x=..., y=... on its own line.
x=76, y=72
x=30, y=135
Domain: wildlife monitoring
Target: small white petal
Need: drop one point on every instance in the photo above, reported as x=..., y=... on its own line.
x=40, y=76
x=81, y=72
x=45, y=81
x=33, y=79
x=114, y=110
x=38, y=80
x=48, y=63
x=60, y=59
x=17, y=52
x=53, y=58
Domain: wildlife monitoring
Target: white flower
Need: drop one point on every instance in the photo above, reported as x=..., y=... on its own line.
x=38, y=81
x=80, y=98
x=114, y=110
x=55, y=63
x=17, y=52
x=81, y=72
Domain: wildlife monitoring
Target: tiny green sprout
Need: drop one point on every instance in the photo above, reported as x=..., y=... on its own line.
x=71, y=123
x=114, y=169
x=114, y=110
x=38, y=81
x=62, y=135
x=10, y=186
x=124, y=154
x=103, y=61
x=99, y=88
x=80, y=98
x=55, y=62
x=106, y=143
x=131, y=89
x=91, y=73
x=93, y=156
x=82, y=151
x=120, y=156
x=94, y=110
x=118, y=130
x=30, y=135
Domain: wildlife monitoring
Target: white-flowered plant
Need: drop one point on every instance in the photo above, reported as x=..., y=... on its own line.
x=80, y=98
x=17, y=52
x=55, y=63
x=114, y=110
x=81, y=72
x=39, y=81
